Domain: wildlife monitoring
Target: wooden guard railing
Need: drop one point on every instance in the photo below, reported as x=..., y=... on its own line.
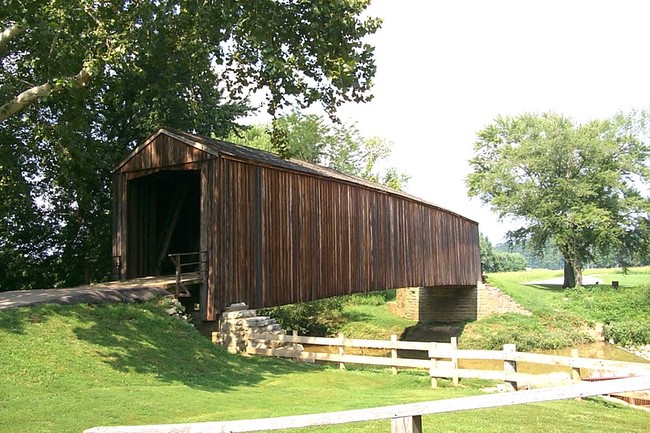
x=443, y=358
x=199, y=259
x=405, y=418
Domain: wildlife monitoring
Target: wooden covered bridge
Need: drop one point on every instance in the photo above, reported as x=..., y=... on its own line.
x=268, y=231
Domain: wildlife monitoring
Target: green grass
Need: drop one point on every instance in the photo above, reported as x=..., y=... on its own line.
x=624, y=310
x=528, y=333
x=367, y=316
x=67, y=368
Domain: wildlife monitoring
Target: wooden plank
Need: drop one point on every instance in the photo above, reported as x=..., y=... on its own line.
x=589, y=363
x=584, y=389
x=346, y=358
x=354, y=342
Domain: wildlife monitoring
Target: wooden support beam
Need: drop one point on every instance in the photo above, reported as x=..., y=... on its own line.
x=179, y=200
x=509, y=365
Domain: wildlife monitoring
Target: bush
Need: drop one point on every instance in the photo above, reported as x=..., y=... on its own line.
x=528, y=333
x=623, y=310
x=629, y=333
x=371, y=298
x=316, y=318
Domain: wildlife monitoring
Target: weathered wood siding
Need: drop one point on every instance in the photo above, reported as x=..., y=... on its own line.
x=275, y=236
x=163, y=151
x=284, y=237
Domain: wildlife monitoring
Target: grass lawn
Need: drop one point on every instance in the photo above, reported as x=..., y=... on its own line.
x=67, y=368
x=367, y=316
x=623, y=310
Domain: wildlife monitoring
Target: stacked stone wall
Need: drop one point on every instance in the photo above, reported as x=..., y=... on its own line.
x=237, y=323
x=491, y=300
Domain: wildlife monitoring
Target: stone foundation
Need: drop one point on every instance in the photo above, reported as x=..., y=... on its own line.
x=453, y=304
x=491, y=300
x=237, y=322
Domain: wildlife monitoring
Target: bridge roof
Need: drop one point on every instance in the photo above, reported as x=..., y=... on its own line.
x=228, y=150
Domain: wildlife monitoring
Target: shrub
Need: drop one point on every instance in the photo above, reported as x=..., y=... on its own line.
x=629, y=333
x=316, y=318
x=528, y=333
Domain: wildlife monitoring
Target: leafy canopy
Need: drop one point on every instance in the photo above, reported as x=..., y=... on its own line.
x=299, y=51
x=335, y=145
x=82, y=82
x=580, y=186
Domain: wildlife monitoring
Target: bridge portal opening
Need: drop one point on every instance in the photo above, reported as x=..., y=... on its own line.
x=164, y=217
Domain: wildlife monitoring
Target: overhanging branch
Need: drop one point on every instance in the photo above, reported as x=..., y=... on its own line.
x=35, y=93
x=9, y=33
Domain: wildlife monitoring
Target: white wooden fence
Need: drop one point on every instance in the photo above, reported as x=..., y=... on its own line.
x=443, y=358
x=405, y=418
x=443, y=362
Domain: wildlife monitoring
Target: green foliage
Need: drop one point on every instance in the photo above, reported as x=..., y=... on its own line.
x=496, y=261
x=335, y=145
x=316, y=318
x=528, y=333
x=633, y=332
x=577, y=185
x=184, y=65
x=547, y=258
x=623, y=310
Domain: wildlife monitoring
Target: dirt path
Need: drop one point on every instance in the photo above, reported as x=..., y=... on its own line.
x=140, y=289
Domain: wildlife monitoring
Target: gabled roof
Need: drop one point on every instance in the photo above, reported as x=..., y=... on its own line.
x=224, y=149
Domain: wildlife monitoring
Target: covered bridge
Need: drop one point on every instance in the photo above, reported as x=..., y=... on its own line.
x=276, y=231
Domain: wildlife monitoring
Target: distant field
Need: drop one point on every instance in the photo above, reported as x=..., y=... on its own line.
x=623, y=310
x=67, y=368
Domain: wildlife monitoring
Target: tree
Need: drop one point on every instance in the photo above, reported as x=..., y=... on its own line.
x=493, y=260
x=335, y=145
x=577, y=185
x=81, y=83
x=300, y=51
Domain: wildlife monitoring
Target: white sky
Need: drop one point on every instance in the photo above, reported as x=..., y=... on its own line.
x=446, y=69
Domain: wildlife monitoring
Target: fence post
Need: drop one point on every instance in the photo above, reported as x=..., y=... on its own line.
x=454, y=360
x=294, y=345
x=341, y=349
x=393, y=351
x=510, y=365
x=407, y=424
x=575, y=371
x=434, y=366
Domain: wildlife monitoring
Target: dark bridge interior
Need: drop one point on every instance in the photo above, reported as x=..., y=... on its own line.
x=163, y=217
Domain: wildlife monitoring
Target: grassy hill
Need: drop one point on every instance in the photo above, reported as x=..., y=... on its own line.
x=67, y=368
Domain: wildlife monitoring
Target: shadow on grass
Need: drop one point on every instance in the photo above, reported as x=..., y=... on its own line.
x=143, y=339
x=548, y=287
x=430, y=332
x=356, y=316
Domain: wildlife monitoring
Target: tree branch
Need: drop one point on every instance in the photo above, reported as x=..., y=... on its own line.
x=35, y=93
x=9, y=33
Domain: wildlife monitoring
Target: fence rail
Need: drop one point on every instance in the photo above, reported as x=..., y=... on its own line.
x=184, y=260
x=443, y=358
x=405, y=418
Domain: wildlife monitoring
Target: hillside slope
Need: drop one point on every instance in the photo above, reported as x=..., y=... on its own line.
x=68, y=368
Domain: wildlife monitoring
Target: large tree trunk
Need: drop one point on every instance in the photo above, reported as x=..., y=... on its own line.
x=572, y=273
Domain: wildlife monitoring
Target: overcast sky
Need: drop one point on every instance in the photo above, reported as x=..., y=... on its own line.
x=446, y=69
